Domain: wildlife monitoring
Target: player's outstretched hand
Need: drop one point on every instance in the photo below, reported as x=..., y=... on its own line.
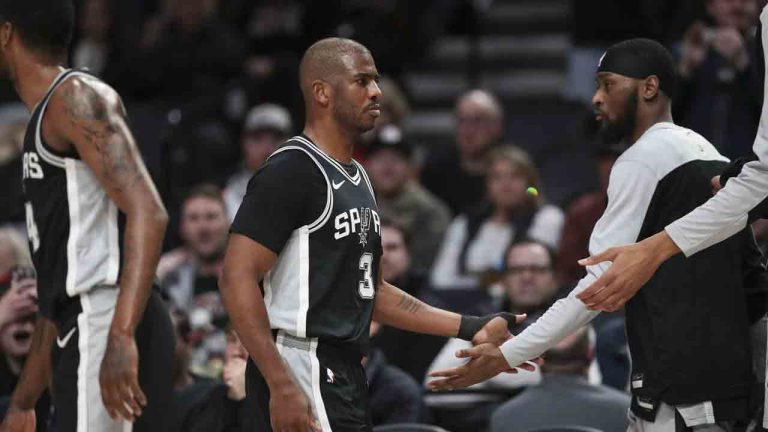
x=119, y=378
x=486, y=362
x=497, y=330
x=633, y=265
x=17, y=420
x=290, y=411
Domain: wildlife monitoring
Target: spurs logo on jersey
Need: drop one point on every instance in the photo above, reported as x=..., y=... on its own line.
x=31, y=168
x=356, y=221
x=325, y=278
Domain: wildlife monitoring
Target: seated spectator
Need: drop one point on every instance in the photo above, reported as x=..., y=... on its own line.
x=395, y=397
x=390, y=166
x=18, y=308
x=222, y=409
x=410, y=352
x=193, y=285
x=581, y=216
x=456, y=173
x=720, y=94
x=472, y=252
x=565, y=397
x=265, y=128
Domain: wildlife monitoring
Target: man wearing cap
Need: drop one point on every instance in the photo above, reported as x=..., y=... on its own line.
x=683, y=377
x=265, y=127
x=423, y=216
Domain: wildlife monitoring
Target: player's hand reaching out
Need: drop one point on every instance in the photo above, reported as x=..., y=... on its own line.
x=486, y=361
x=119, y=378
x=290, y=411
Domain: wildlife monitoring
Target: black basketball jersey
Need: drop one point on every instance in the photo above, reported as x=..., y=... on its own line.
x=325, y=278
x=72, y=225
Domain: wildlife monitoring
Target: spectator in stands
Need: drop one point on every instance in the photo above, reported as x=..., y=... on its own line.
x=395, y=397
x=472, y=252
x=720, y=94
x=565, y=397
x=193, y=285
x=21, y=301
x=94, y=47
x=456, y=174
x=18, y=306
x=391, y=168
x=222, y=409
x=410, y=352
x=13, y=123
x=186, y=55
x=204, y=226
x=265, y=128
x=189, y=388
x=581, y=216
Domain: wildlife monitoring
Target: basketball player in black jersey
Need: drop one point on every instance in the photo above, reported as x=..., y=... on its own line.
x=301, y=277
x=95, y=224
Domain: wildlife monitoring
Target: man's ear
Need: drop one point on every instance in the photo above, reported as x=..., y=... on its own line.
x=6, y=31
x=650, y=88
x=321, y=91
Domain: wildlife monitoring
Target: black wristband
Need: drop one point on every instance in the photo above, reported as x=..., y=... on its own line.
x=470, y=324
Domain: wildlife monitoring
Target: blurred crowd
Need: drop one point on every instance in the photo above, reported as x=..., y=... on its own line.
x=211, y=89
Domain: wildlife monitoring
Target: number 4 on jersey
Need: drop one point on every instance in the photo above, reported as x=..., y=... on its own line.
x=34, y=237
x=365, y=288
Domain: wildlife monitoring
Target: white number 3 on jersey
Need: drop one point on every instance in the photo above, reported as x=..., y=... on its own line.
x=365, y=287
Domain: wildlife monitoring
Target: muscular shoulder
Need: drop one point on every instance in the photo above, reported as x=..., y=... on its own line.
x=85, y=97
x=81, y=105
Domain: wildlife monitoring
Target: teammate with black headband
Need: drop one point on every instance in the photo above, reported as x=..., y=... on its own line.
x=682, y=378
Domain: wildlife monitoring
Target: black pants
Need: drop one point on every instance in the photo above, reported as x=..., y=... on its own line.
x=333, y=380
x=77, y=359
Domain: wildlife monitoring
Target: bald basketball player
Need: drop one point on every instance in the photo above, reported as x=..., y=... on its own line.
x=301, y=277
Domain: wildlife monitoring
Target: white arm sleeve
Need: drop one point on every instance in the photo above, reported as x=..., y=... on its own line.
x=631, y=188
x=726, y=213
x=723, y=215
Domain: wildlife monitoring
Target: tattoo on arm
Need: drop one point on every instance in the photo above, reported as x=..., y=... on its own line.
x=89, y=112
x=409, y=304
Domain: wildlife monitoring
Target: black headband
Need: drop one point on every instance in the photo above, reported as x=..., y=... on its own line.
x=639, y=59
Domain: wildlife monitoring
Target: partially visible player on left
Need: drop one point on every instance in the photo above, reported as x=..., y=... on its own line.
x=95, y=224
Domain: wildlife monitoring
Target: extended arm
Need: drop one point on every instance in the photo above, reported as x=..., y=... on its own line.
x=396, y=308
x=89, y=115
x=630, y=191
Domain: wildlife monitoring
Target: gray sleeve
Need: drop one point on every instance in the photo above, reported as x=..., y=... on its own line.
x=723, y=215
